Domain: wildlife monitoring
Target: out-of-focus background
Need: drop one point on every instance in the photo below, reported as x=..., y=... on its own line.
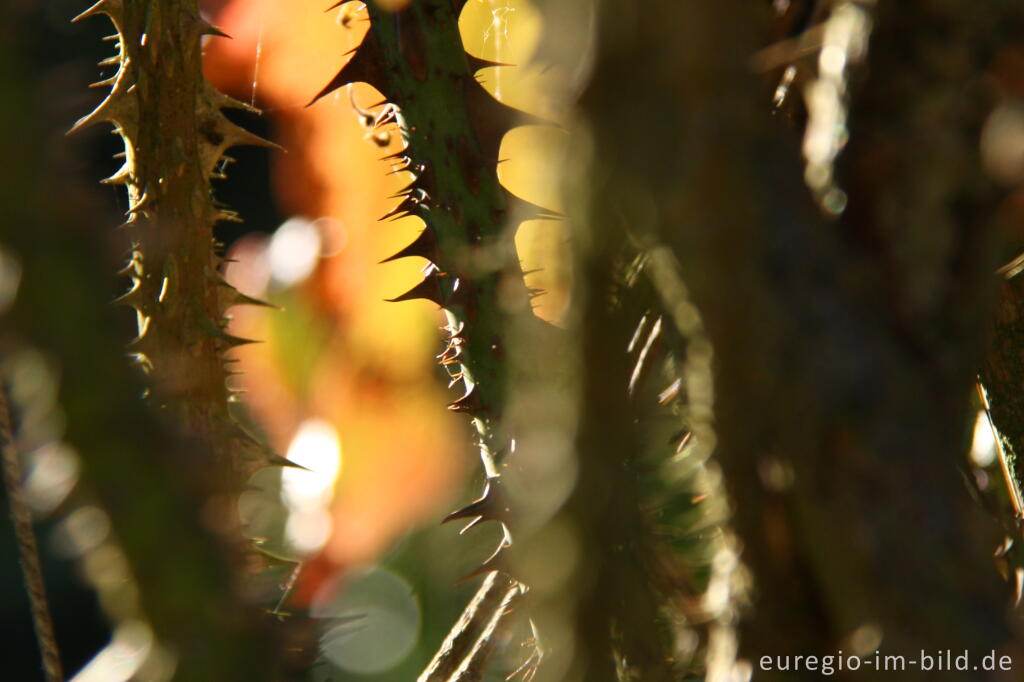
x=342, y=381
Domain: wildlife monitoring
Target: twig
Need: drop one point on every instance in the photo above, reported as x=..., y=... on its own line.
x=471, y=637
x=28, y=548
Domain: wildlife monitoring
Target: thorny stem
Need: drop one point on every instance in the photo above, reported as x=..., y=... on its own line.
x=1012, y=485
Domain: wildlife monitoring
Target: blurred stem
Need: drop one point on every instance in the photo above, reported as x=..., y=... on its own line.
x=844, y=351
x=619, y=636
x=28, y=549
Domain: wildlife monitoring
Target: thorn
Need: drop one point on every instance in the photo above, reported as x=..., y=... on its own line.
x=406, y=205
x=140, y=204
x=413, y=186
x=472, y=524
x=388, y=115
x=424, y=246
x=366, y=116
x=278, y=460
x=476, y=63
x=128, y=297
x=363, y=67
x=670, y=393
x=229, y=216
x=469, y=403
x=223, y=101
x=400, y=155
x=241, y=299
x=116, y=108
x=490, y=505
x=429, y=289
x=108, y=7
x=121, y=177
x=212, y=30
x=408, y=167
x=491, y=119
x=105, y=82
x=453, y=331
x=521, y=209
x=237, y=136
x=216, y=331
x=451, y=353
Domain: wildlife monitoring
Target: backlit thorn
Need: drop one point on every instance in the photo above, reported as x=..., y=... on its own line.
x=454, y=331
x=452, y=350
x=469, y=403
x=683, y=440
x=417, y=169
x=429, y=288
x=407, y=189
x=642, y=364
x=450, y=355
x=477, y=63
x=456, y=341
x=105, y=82
x=110, y=61
x=109, y=7
x=121, y=177
x=389, y=114
x=366, y=116
x=405, y=206
x=118, y=108
x=143, y=361
x=364, y=66
x=670, y=393
x=490, y=505
x=472, y=524
x=527, y=210
x=455, y=378
x=400, y=155
x=212, y=30
x=1003, y=547
x=223, y=101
